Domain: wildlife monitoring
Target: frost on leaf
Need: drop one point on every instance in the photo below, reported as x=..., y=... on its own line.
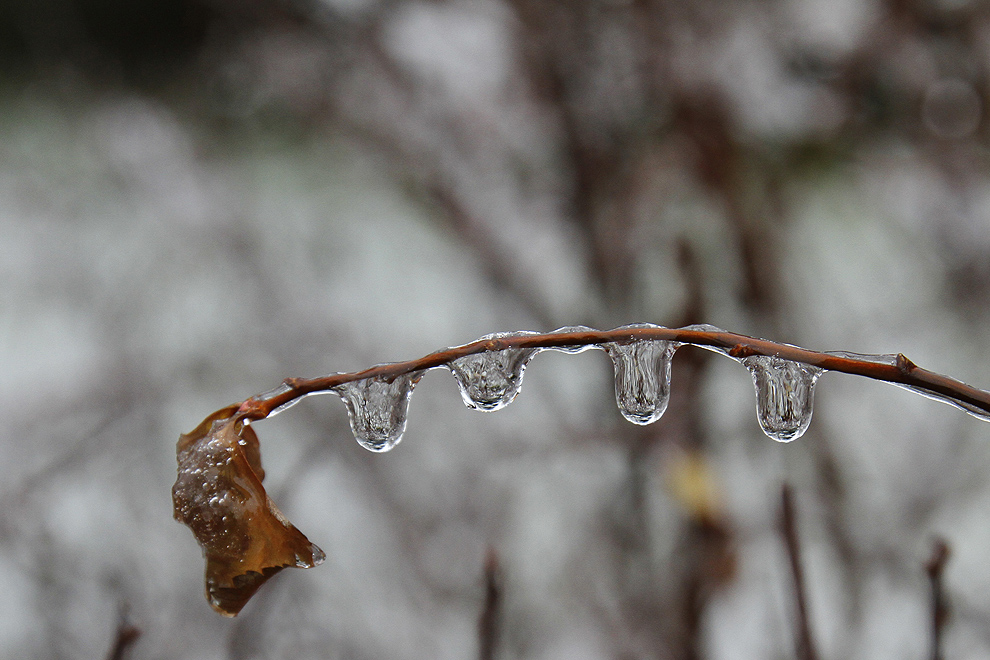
x=219, y=496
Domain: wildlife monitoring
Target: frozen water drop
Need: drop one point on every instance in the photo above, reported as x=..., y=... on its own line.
x=642, y=376
x=576, y=348
x=377, y=409
x=492, y=379
x=785, y=395
x=304, y=561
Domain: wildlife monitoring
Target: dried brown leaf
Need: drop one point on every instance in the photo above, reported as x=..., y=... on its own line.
x=219, y=496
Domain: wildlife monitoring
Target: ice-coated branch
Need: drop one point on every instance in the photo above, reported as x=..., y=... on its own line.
x=246, y=539
x=771, y=356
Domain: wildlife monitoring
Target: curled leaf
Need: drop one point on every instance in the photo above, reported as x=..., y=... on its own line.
x=219, y=496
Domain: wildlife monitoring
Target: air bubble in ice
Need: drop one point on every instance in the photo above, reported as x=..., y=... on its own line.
x=377, y=409
x=785, y=395
x=642, y=376
x=492, y=379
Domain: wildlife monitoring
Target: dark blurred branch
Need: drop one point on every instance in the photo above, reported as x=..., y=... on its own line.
x=493, y=257
x=127, y=634
x=893, y=369
x=489, y=619
x=789, y=530
x=940, y=606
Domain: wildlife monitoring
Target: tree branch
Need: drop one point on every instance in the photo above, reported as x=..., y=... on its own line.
x=896, y=369
x=489, y=619
x=127, y=633
x=789, y=530
x=218, y=492
x=939, y=604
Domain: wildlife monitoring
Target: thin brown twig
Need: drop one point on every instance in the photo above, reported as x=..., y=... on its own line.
x=939, y=604
x=893, y=369
x=488, y=621
x=789, y=530
x=127, y=633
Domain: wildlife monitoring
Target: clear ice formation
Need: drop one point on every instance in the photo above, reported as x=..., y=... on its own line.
x=578, y=348
x=491, y=380
x=377, y=409
x=272, y=393
x=281, y=389
x=887, y=358
x=972, y=410
x=785, y=392
x=708, y=327
x=891, y=360
x=642, y=376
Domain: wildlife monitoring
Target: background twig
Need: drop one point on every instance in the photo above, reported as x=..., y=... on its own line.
x=127, y=633
x=488, y=621
x=789, y=530
x=939, y=605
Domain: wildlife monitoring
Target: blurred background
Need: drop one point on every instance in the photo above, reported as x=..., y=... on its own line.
x=199, y=198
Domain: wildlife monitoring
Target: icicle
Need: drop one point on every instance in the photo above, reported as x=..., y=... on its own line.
x=577, y=348
x=785, y=392
x=492, y=379
x=642, y=376
x=377, y=409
